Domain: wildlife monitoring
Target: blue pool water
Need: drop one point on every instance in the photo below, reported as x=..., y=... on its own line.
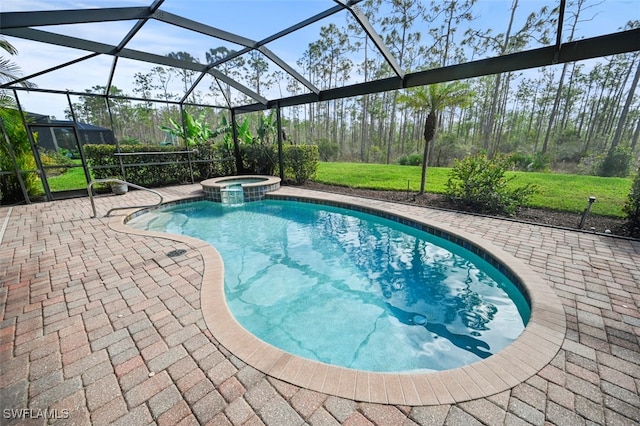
x=352, y=289
x=240, y=181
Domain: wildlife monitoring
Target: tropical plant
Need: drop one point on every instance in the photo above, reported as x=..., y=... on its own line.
x=244, y=133
x=434, y=99
x=9, y=71
x=195, y=130
x=20, y=150
x=267, y=128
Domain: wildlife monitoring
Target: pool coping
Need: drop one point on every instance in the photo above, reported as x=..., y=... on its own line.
x=528, y=354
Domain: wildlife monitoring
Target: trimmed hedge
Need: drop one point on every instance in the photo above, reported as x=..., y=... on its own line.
x=174, y=168
x=301, y=162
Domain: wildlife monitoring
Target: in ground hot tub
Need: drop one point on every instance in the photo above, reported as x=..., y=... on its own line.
x=226, y=189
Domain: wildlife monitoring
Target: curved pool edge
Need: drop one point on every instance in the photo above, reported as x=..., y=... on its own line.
x=527, y=355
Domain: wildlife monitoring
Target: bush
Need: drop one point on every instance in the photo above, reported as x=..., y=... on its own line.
x=128, y=140
x=259, y=159
x=213, y=160
x=447, y=148
x=617, y=163
x=568, y=146
x=328, y=150
x=50, y=159
x=410, y=160
x=9, y=183
x=590, y=164
x=530, y=162
x=175, y=168
x=209, y=160
x=632, y=207
x=480, y=185
x=300, y=162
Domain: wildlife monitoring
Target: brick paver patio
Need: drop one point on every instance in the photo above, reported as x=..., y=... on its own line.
x=102, y=327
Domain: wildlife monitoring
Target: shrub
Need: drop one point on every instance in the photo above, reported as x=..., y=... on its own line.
x=568, y=146
x=328, y=150
x=530, y=162
x=105, y=164
x=410, y=160
x=213, y=160
x=616, y=163
x=128, y=140
x=480, y=185
x=632, y=207
x=209, y=160
x=50, y=159
x=259, y=159
x=300, y=162
x=447, y=148
x=590, y=164
x=376, y=155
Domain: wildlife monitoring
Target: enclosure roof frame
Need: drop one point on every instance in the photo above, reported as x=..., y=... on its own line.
x=21, y=25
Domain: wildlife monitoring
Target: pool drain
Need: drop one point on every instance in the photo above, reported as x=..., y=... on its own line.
x=176, y=253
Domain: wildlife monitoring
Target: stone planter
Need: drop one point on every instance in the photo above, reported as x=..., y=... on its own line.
x=119, y=188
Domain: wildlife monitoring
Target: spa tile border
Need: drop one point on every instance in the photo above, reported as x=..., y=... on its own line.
x=533, y=350
x=253, y=191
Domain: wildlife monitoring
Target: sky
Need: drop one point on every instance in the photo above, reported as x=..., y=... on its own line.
x=254, y=19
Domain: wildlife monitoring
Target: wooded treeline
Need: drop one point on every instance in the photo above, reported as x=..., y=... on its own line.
x=566, y=114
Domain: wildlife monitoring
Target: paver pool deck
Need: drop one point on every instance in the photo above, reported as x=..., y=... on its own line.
x=100, y=326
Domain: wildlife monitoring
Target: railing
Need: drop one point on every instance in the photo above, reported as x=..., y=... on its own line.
x=133, y=185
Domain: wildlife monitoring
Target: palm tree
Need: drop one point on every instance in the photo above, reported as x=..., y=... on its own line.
x=9, y=71
x=434, y=98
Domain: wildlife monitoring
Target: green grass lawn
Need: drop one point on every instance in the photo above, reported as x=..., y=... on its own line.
x=73, y=178
x=555, y=191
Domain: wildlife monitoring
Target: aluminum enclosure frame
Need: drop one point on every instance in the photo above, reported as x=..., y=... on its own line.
x=19, y=24
x=24, y=25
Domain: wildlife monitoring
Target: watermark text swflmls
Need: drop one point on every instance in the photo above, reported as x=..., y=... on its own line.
x=32, y=413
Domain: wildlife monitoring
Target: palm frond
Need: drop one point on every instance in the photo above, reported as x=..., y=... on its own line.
x=8, y=47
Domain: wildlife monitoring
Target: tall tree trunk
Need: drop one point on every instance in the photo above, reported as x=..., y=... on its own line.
x=392, y=126
x=501, y=112
x=554, y=110
x=594, y=116
x=583, y=108
x=494, y=103
x=636, y=136
x=430, y=128
x=363, y=128
x=365, y=101
x=488, y=132
x=625, y=111
x=617, y=99
x=567, y=101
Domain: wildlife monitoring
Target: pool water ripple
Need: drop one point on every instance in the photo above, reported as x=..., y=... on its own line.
x=351, y=289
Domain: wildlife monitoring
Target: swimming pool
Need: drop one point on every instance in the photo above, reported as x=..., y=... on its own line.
x=351, y=289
